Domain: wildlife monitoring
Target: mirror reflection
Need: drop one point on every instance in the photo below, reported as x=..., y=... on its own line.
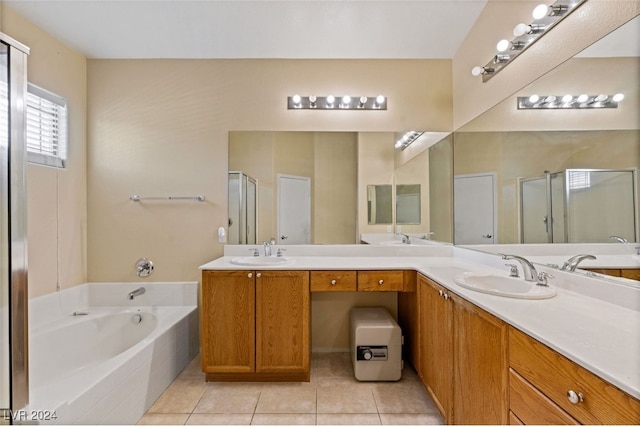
x=408, y=204
x=379, y=204
x=518, y=146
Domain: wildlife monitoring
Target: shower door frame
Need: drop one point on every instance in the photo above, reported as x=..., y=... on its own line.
x=14, y=178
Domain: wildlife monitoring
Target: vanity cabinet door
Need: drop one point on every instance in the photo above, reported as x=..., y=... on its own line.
x=480, y=366
x=227, y=321
x=282, y=322
x=436, y=343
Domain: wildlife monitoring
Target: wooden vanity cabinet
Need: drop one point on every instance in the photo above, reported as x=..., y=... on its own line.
x=381, y=281
x=576, y=392
x=334, y=281
x=255, y=325
x=480, y=369
x=436, y=344
x=463, y=357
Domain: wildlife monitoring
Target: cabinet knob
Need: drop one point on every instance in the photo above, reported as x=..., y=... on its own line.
x=380, y=282
x=440, y=292
x=333, y=282
x=258, y=274
x=446, y=296
x=250, y=275
x=575, y=397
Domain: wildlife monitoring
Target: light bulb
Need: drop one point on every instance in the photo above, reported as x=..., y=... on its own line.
x=549, y=99
x=567, y=98
x=540, y=11
x=534, y=98
x=583, y=98
x=379, y=99
x=331, y=99
x=363, y=100
x=503, y=45
x=346, y=99
x=521, y=30
x=312, y=99
x=296, y=99
x=618, y=97
x=601, y=98
x=477, y=70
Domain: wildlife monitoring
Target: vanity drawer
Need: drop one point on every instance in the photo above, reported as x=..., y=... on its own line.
x=333, y=281
x=381, y=280
x=532, y=407
x=556, y=376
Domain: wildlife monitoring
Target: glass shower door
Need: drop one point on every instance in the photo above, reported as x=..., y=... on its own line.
x=5, y=364
x=535, y=216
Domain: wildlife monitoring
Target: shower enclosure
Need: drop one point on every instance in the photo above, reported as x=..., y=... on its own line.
x=579, y=206
x=14, y=374
x=243, y=213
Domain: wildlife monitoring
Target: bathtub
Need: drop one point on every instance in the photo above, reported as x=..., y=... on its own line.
x=96, y=357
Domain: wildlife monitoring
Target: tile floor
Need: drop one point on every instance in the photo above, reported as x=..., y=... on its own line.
x=333, y=396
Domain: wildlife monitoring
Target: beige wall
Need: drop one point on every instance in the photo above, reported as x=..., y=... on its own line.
x=471, y=97
x=416, y=171
x=441, y=190
x=56, y=198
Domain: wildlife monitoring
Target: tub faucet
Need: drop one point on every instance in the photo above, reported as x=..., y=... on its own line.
x=136, y=293
x=619, y=239
x=572, y=263
x=528, y=270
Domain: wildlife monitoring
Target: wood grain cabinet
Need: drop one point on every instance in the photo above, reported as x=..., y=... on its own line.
x=436, y=343
x=576, y=394
x=334, y=281
x=255, y=325
x=386, y=280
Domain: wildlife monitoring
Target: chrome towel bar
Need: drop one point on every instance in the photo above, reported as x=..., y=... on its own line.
x=137, y=198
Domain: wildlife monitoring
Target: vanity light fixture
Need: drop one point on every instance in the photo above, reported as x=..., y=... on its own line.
x=407, y=139
x=537, y=102
x=545, y=17
x=330, y=102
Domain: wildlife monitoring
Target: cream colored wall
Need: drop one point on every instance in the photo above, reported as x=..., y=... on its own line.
x=471, y=97
x=416, y=171
x=56, y=198
x=441, y=190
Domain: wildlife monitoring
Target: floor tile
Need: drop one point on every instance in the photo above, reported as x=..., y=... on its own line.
x=411, y=419
x=222, y=401
x=403, y=398
x=220, y=419
x=340, y=398
x=334, y=365
x=347, y=419
x=194, y=368
x=180, y=397
x=284, y=419
x=287, y=398
x=163, y=419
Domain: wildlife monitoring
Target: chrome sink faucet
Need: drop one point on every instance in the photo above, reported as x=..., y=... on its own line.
x=268, y=245
x=619, y=239
x=136, y=293
x=405, y=238
x=572, y=263
x=528, y=270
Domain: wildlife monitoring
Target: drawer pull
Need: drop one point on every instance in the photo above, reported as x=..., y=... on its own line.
x=250, y=275
x=380, y=282
x=446, y=296
x=575, y=397
x=258, y=274
x=441, y=292
x=333, y=282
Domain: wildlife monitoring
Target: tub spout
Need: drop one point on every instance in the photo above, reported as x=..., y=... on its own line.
x=135, y=293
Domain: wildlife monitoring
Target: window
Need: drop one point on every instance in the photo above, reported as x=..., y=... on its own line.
x=46, y=127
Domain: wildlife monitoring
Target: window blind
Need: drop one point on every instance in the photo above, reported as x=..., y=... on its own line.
x=46, y=127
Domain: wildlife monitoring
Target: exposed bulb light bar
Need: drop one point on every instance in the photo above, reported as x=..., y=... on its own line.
x=330, y=102
x=547, y=102
x=545, y=17
x=407, y=139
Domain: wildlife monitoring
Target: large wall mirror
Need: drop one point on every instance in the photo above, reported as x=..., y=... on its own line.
x=557, y=175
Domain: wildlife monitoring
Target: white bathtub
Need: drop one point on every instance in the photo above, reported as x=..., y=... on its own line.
x=110, y=365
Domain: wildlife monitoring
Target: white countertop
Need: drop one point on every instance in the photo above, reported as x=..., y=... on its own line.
x=595, y=323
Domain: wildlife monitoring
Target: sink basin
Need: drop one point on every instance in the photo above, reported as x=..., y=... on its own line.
x=259, y=260
x=503, y=286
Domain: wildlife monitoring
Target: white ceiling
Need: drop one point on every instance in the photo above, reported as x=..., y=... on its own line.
x=414, y=29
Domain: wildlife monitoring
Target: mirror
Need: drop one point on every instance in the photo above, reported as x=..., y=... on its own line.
x=408, y=204
x=379, y=204
x=518, y=145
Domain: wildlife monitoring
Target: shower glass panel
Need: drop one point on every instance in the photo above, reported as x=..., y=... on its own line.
x=243, y=212
x=535, y=215
x=579, y=206
x=601, y=204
